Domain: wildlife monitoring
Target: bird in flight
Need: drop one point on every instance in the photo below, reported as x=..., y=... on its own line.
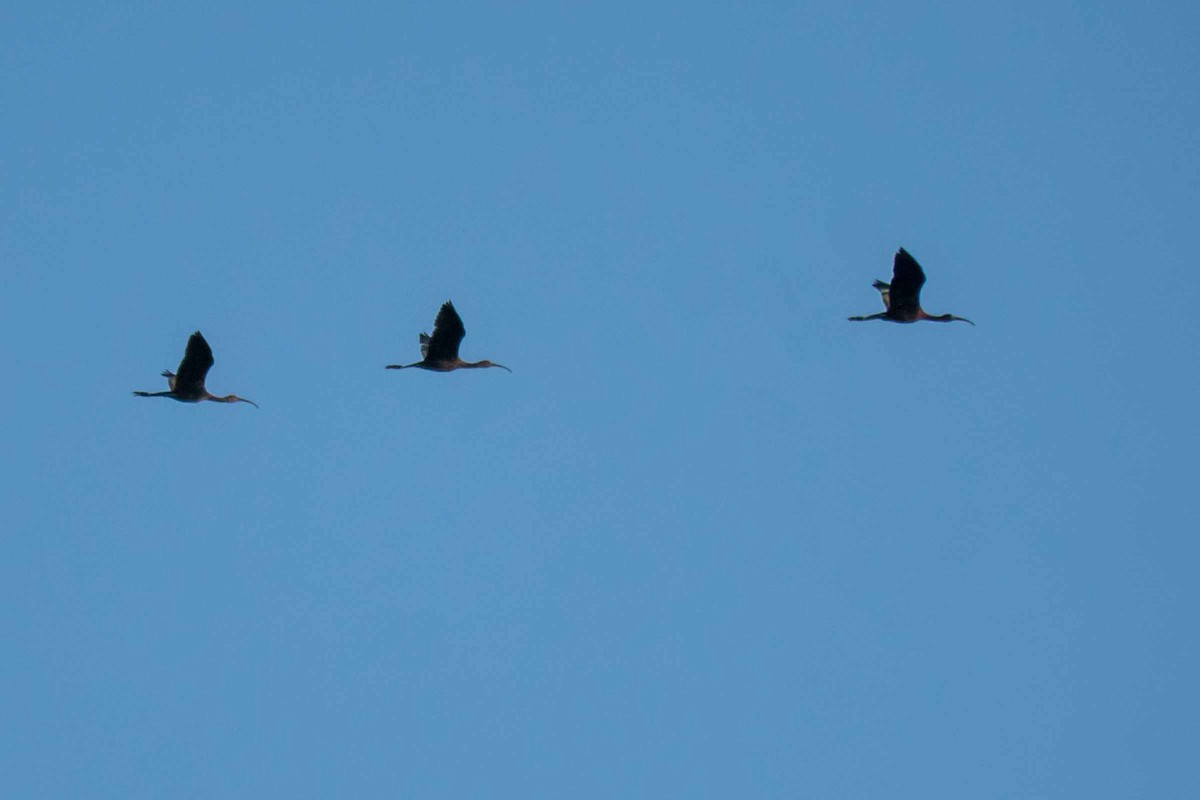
x=902, y=297
x=187, y=385
x=439, y=352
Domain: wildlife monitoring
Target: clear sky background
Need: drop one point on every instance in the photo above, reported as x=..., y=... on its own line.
x=708, y=539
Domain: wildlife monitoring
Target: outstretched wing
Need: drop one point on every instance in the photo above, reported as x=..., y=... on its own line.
x=907, y=280
x=197, y=360
x=885, y=293
x=448, y=332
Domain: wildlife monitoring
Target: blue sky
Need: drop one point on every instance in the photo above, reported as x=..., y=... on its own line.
x=709, y=539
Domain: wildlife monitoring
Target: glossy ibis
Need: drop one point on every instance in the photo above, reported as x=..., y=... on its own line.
x=902, y=297
x=187, y=385
x=439, y=352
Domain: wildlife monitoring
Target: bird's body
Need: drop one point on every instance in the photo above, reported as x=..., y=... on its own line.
x=902, y=297
x=439, y=352
x=187, y=385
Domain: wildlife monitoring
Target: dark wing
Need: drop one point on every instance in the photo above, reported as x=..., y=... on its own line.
x=448, y=332
x=907, y=280
x=197, y=360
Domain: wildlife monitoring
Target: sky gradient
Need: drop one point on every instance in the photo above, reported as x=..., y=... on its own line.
x=708, y=539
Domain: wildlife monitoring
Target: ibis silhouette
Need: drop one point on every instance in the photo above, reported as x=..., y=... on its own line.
x=187, y=385
x=439, y=352
x=902, y=297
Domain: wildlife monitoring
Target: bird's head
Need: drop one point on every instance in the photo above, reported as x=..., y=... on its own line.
x=233, y=398
x=486, y=363
x=942, y=318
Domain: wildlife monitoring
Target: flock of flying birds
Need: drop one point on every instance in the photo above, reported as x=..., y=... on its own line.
x=439, y=351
